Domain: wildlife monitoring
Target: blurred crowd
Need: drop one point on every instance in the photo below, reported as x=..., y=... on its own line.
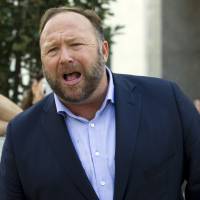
x=8, y=109
x=197, y=104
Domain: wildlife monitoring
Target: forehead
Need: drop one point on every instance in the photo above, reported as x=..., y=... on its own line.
x=68, y=23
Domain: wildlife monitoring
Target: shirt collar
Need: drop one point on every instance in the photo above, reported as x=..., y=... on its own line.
x=63, y=110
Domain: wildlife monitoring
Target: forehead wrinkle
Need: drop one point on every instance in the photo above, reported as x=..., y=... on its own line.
x=48, y=41
x=67, y=39
x=69, y=33
x=72, y=28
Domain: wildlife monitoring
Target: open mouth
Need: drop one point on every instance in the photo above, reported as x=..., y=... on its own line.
x=72, y=78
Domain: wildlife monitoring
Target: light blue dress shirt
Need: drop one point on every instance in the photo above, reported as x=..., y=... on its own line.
x=94, y=141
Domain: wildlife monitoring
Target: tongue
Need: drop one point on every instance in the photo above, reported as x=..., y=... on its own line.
x=72, y=76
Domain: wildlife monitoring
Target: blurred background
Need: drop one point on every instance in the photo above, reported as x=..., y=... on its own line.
x=152, y=38
x=159, y=38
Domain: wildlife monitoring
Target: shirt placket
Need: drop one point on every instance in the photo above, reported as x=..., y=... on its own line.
x=99, y=161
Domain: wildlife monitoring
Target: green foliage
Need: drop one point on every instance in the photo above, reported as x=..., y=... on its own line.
x=19, y=23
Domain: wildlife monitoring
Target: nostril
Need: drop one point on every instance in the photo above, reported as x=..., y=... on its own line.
x=71, y=63
x=68, y=61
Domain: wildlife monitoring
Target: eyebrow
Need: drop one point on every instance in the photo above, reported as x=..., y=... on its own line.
x=49, y=44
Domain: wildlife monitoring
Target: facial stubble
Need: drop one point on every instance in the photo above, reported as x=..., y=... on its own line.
x=79, y=93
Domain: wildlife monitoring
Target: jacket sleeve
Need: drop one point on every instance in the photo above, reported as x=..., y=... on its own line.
x=10, y=186
x=190, y=120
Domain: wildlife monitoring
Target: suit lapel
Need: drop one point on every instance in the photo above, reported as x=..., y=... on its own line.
x=58, y=137
x=128, y=109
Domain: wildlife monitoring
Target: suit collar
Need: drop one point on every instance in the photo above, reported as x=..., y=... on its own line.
x=128, y=110
x=58, y=137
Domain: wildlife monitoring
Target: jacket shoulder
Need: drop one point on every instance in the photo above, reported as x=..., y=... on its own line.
x=31, y=116
x=143, y=82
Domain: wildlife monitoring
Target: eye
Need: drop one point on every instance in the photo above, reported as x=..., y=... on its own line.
x=52, y=51
x=76, y=46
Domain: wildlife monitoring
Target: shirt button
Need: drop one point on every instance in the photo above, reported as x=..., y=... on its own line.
x=102, y=183
x=92, y=125
x=97, y=153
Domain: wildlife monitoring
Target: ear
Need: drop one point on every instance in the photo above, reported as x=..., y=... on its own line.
x=105, y=50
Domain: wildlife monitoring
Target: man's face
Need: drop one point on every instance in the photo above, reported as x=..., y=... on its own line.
x=73, y=61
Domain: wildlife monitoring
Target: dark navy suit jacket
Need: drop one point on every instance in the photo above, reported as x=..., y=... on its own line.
x=157, y=148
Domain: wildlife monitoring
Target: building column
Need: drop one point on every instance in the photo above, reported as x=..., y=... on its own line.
x=181, y=44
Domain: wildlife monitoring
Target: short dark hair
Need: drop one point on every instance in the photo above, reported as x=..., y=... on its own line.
x=89, y=14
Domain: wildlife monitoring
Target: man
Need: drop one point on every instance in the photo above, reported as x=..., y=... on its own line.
x=100, y=135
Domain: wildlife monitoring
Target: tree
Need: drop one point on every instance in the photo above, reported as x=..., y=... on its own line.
x=19, y=46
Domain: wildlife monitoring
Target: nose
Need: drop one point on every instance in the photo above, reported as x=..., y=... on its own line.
x=66, y=56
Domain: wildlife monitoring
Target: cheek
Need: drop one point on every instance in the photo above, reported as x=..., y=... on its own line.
x=88, y=59
x=49, y=64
